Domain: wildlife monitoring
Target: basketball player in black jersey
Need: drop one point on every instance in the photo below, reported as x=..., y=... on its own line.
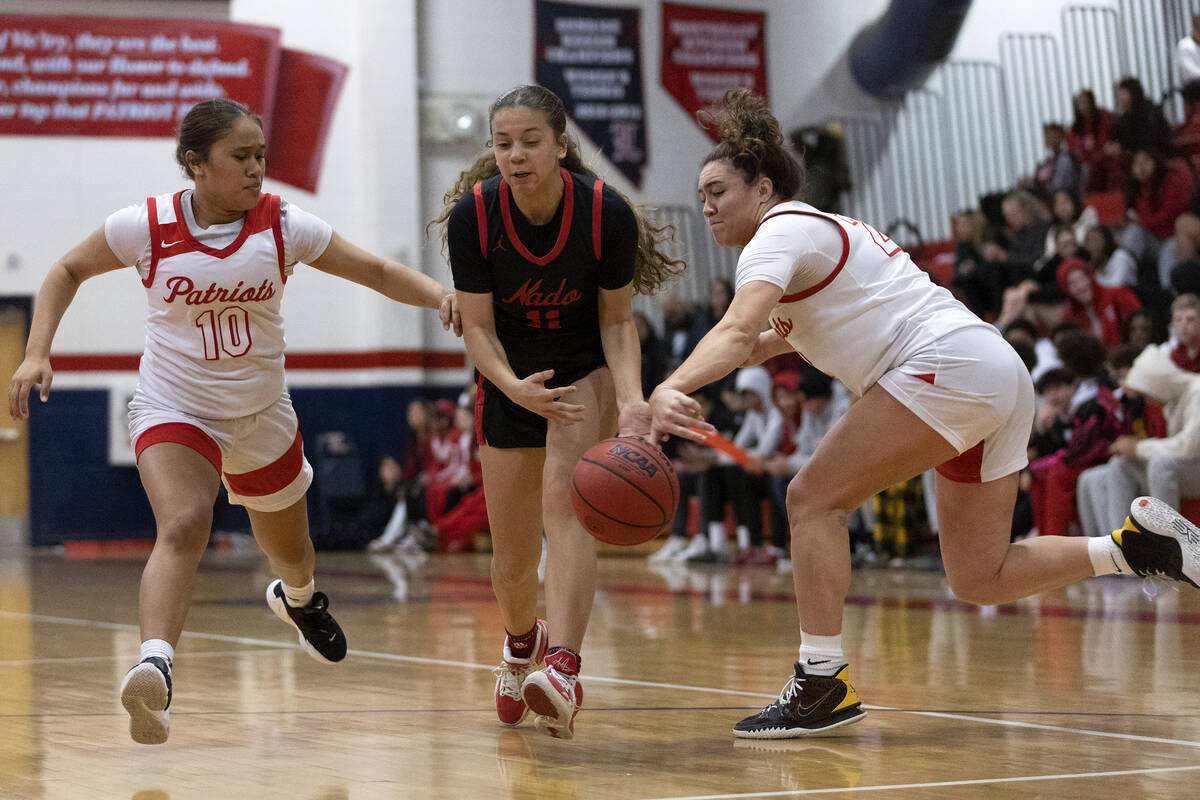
x=546, y=260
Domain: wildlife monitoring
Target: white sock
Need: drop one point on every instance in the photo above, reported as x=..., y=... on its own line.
x=160, y=648
x=821, y=655
x=743, y=534
x=1106, y=556
x=716, y=536
x=296, y=598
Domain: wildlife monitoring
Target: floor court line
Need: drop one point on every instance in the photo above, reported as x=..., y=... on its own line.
x=269, y=643
x=934, y=784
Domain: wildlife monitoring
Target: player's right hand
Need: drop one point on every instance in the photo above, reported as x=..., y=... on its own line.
x=32, y=371
x=531, y=393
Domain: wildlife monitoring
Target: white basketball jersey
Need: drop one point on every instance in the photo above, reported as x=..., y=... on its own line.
x=214, y=334
x=874, y=311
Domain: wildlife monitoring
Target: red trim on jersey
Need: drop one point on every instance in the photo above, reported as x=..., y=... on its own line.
x=563, y=230
x=927, y=377
x=155, y=239
x=965, y=467
x=810, y=291
x=481, y=218
x=597, y=199
x=180, y=433
x=426, y=359
x=273, y=477
x=256, y=220
x=277, y=229
x=480, y=439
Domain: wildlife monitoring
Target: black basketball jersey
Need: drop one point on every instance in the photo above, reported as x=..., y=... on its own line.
x=544, y=279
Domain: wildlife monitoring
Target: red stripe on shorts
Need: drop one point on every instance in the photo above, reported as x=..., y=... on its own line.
x=271, y=478
x=965, y=467
x=180, y=433
x=480, y=439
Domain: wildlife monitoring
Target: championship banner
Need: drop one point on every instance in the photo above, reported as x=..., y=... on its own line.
x=116, y=76
x=119, y=76
x=708, y=51
x=590, y=56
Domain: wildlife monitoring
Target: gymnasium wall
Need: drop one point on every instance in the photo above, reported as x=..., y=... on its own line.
x=381, y=181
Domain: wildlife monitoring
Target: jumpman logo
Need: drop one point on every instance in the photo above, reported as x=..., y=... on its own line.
x=499, y=245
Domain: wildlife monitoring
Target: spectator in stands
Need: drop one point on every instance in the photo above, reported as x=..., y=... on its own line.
x=1138, y=124
x=1158, y=192
x=1138, y=418
x=409, y=523
x=1185, y=332
x=1066, y=209
x=743, y=487
x=1098, y=309
x=820, y=407
x=653, y=357
x=1187, y=54
x=1169, y=466
x=976, y=279
x=1059, y=172
x=1026, y=228
x=463, y=510
x=1111, y=265
x=1037, y=352
x=1094, y=424
x=1141, y=329
x=692, y=462
x=1186, y=136
x=677, y=330
x=1089, y=132
x=1065, y=246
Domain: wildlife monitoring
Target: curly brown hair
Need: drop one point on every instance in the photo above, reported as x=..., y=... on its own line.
x=652, y=267
x=752, y=142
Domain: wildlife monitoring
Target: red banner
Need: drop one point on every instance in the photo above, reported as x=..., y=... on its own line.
x=707, y=51
x=309, y=86
x=117, y=76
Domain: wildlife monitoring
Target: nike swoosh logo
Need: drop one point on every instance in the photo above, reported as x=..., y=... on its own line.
x=168, y=244
x=805, y=709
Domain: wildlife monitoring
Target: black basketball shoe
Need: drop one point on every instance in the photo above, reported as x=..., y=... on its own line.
x=808, y=704
x=1157, y=540
x=146, y=695
x=320, y=634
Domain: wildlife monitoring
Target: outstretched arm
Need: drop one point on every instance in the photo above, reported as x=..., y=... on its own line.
x=389, y=278
x=722, y=350
x=90, y=257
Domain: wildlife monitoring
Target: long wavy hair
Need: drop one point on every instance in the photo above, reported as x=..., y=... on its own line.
x=652, y=267
x=752, y=142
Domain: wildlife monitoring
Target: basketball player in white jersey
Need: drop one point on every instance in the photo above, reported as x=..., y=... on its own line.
x=211, y=405
x=936, y=387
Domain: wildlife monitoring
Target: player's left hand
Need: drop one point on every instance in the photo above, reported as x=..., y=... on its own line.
x=673, y=412
x=448, y=313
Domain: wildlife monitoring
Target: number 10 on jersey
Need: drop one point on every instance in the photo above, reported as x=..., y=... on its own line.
x=226, y=331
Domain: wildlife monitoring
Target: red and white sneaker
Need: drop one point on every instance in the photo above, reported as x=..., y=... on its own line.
x=511, y=674
x=555, y=695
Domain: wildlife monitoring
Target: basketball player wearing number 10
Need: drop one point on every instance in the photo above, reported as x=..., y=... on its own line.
x=546, y=259
x=937, y=387
x=210, y=404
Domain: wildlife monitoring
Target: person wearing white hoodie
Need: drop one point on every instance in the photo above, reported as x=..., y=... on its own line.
x=1167, y=468
x=758, y=434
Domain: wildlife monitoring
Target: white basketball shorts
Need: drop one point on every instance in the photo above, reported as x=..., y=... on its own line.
x=260, y=457
x=972, y=388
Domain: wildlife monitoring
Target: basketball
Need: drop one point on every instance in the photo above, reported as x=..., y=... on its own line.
x=624, y=491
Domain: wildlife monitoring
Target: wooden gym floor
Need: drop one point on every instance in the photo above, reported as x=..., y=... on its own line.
x=1089, y=692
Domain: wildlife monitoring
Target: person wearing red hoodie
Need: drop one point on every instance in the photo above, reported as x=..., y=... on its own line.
x=1159, y=191
x=1099, y=309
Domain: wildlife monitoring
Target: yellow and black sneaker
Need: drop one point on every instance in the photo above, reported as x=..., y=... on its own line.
x=1157, y=540
x=808, y=704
